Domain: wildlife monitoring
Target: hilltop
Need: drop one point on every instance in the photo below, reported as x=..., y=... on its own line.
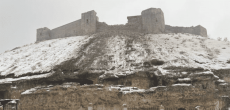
x=114, y=55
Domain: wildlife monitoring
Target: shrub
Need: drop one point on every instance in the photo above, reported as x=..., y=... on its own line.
x=225, y=39
x=182, y=52
x=219, y=38
x=217, y=51
x=228, y=61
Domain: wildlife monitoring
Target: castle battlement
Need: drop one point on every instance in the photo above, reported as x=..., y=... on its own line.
x=150, y=21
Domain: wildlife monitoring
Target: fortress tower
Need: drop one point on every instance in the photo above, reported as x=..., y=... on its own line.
x=150, y=21
x=88, y=22
x=153, y=21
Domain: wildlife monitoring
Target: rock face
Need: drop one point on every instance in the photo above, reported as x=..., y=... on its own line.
x=153, y=21
x=75, y=97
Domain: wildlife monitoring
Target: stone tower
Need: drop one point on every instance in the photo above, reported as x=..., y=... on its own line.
x=153, y=21
x=88, y=22
x=43, y=34
x=200, y=30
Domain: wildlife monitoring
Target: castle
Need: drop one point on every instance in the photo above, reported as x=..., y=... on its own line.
x=105, y=72
x=151, y=21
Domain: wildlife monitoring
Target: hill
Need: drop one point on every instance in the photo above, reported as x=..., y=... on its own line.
x=114, y=54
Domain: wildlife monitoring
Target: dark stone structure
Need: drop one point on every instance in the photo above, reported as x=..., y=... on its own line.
x=151, y=21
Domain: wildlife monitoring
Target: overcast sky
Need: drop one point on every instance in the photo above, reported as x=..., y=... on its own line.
x=19, y=19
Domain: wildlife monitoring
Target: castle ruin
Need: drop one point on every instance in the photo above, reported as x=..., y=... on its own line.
x=151, y=21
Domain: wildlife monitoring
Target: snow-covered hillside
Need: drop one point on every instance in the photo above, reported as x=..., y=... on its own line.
x=115, y=54
x=40, y=57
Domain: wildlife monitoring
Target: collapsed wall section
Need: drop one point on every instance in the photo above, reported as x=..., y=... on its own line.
x=197, y=30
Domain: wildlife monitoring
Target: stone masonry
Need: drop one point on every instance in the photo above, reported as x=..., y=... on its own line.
x=151, y=21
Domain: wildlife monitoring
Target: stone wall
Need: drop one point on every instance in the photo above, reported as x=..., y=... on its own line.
x=83, y=26
x=142, y=80
x=197, y=30
x=76, y=97
x=71, y=29
x=136, y=22
x=151, y=21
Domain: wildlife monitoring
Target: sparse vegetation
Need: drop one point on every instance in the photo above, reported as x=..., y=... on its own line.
x=225, y=39
x=228, y=61
x=219, y=38
x=217, y=51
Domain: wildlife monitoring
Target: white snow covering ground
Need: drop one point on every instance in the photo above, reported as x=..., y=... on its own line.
x=175, y=49
x=40, y=57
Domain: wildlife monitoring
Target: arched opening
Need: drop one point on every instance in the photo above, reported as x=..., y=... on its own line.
x=181, y=109
x=87, y=21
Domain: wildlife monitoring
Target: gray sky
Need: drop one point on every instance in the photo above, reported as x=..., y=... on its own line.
x=19, y=19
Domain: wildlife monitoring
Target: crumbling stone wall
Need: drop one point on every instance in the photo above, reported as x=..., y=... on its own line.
x=151, y=21
x=78, y=98
x=83, y=26
x=197, y=30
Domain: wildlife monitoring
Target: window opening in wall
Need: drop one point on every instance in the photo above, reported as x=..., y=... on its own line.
x=156, y=20
x=87, y=21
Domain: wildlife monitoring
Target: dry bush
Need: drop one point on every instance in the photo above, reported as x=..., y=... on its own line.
x=217, y=51
x=228, y=61
x=225, y=39
x=183, y=41
x=219, y=38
